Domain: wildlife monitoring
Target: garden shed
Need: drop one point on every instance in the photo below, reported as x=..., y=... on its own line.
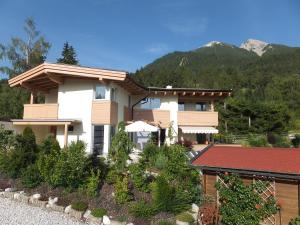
x=279, y=166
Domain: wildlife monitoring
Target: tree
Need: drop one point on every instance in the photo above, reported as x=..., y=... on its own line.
x=68, y=55
x=22, y=55
x=25, y=54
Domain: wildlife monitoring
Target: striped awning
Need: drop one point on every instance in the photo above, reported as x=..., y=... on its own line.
x=198, y=130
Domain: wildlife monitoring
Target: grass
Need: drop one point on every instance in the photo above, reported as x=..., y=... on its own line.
x=79, y=206
x=99, y=212
x=185, y=217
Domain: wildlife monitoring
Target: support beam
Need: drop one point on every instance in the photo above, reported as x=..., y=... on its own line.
x=58, y=79
x=66, y=135
x=31, y=98
x=174, y=93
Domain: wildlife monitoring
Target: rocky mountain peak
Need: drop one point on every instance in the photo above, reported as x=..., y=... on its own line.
x=256, y=46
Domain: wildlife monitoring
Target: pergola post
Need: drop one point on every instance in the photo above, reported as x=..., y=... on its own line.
x=31, y=98
x=66, y=135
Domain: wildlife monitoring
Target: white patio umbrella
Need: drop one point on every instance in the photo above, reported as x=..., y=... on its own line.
x=140, y=126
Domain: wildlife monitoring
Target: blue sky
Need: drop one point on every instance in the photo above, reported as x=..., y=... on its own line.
x=128, y=34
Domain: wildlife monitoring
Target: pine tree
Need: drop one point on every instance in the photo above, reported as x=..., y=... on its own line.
x=68, y=55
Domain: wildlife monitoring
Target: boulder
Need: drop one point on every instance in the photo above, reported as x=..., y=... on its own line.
x=68, y=209
x=52, y=201
x=76, y=214
x=105, y=220
x=178, y=222
x=36, y=196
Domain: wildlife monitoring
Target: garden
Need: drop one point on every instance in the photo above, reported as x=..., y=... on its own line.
x=161, y=188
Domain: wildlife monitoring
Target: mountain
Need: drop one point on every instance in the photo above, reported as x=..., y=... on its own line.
x=256, y=71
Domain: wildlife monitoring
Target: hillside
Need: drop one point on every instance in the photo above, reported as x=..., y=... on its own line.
x=256, y=71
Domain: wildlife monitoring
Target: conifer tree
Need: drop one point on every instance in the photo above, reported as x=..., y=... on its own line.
x=68, y=55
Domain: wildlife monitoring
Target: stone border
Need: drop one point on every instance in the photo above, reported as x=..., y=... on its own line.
x=50, y=204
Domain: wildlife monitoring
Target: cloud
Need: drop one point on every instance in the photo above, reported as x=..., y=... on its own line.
x=157, y=48
x=188, y=26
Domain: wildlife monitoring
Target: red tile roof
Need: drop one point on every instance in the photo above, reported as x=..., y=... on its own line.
x=276, y=160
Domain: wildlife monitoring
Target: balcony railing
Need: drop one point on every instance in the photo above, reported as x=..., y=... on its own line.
x=40, y=111
x=104, y=112
x=196, y=118
x=161, y=117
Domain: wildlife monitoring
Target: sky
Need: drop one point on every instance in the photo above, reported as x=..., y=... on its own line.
x=129, y=34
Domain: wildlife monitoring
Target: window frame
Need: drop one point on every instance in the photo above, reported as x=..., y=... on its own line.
x=95, y=92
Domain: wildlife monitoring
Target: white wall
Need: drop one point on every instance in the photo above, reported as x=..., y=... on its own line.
x=51, y=97
x=75, y=102
x=122, y=100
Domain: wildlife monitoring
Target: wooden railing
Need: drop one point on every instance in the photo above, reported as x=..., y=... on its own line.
x=104, y=112
x=196, y=118
x=40, y=111
x=161, y=117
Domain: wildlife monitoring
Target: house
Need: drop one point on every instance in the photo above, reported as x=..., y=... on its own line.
x=87, y=104
x=279, y=166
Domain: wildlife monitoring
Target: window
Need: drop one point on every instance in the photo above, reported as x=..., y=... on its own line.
x=201, y=106
x=152, y=103
x=180, y=106
x=100, y=92
x=113, y=92
x=70, y=128
x=98, y=139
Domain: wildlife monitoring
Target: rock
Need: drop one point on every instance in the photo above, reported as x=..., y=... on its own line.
x=36, y=196
x=37, y=202
x=105, y=220
x=8, y=189
x=181, y=223
x=129, y=224
x=9, y=194
x=52, y=201
x=23, y=198
x=68, y=209
x=114, y=222
x=87, y=214
x=17, y=196
x=76, y=214
x=22, y=192
x=195, y=208
x=58, y=208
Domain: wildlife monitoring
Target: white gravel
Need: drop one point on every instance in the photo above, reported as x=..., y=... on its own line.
x=15, y=213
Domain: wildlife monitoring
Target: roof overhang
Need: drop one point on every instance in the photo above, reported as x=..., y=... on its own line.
x=198, y=130
x=49, y=122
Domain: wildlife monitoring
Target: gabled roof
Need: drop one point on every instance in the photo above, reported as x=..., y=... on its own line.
x=265, y=159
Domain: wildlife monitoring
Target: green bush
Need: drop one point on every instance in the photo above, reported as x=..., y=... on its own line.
x=23, y=153
x=138, y=176
x=141, y=209
x=295, y=221
x=31, y=176
x=149, y=153
x=112, y=175
x=185, y=217
x=258, y=141
x=50, y=144
x=92, y=184
x=99, y=212
x=296, y=141
x=122, y=194
x=79, y=206
x=165, y=222
x=161, y=160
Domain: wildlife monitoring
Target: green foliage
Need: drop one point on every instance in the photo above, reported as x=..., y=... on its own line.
x=122, y=194
x=31, y=176
x=50, y=144
x=79, y=206
x=185, y=217
x=161, y=160
x=141, y=209
x=92, y=183
x=6, y=139
x=99, y=212
x=295, y=221
x=66, y=168
x=296, y=141
x=112, y=175
x=138, y=176
x=120, y=149
x=165, y=222
x=68, y=55
x=257, y=141
x=149, y=153
x=23, y=153
x=242, y=204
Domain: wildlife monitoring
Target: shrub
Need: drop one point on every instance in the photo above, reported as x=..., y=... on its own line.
x=295, y=221
x=149, y=153
x=257, y=141
x=31, y=176
x=23, y=153
x=161, y=160
x=185, y=217
x=99, y=212
x=112, y=176
x=50, y=144
x=79, y=206
x=165, y=222
x=141, y=209
x=138, y=177
x=92, y=184
x=122, y=193
x=296, y=141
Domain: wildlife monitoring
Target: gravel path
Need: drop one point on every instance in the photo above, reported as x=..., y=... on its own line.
x=15, y=213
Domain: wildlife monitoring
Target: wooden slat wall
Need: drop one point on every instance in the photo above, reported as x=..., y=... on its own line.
x=161, y=117
x=104, y=112
x=195, y=118
x=288, y=196
x=40, y=111
x=127, y=114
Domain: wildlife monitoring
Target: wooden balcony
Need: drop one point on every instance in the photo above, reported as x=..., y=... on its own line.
x=196, y=118
x=105, y=112
x=161, y=117
x=40, y=111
